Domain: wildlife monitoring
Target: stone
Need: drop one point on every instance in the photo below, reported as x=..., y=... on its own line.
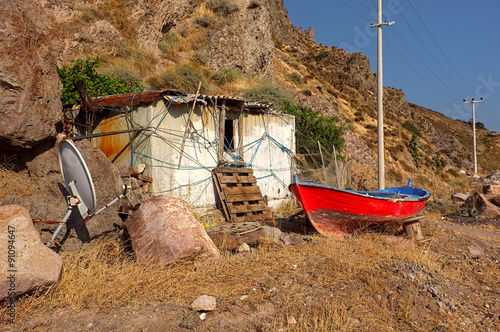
x=290, y=240
x=190, y=320
x=30, y=107
x=484, y=206
x=475, y=251
x=204, y=303
x=163, y=230
x=28, y=264
x=459, y=197
x=243, y=248
x=224, y=240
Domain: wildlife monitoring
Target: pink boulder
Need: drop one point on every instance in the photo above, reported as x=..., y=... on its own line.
x=163, y=230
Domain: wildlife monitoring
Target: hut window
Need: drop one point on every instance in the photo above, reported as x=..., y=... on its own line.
x=229, y=135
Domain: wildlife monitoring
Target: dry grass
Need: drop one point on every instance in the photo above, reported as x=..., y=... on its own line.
x=15, y=183
x=317, y=282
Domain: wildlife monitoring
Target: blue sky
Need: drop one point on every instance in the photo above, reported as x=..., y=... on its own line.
x=437, y=52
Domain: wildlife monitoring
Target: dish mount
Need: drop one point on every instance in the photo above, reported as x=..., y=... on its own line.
x=79, y=185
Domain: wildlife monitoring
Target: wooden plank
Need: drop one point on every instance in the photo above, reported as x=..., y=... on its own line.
x=222, y=119
x=242, y=190
x=233, y=170
x=237, y=179
x=244, y=198
x=221, y=196
x=247, y=208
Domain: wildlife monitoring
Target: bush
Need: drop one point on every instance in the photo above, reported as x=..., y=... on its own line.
x=126, y=76
x=295, y=77
x=226, y=75
x=414, y=149
x=167, y=41
x=204, y=21
x=200, y=57
x=411, y=127
x=267, y=93
x=312, y=127
x=184, y=78
x=222, y=7
x=95, y=83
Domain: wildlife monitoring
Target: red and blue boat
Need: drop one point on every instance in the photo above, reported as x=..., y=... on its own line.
x=333, y=210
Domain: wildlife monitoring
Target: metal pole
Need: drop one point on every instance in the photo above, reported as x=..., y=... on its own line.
x=474, y=130
x=380, y=93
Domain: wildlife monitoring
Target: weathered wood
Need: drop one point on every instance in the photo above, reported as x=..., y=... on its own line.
x=239, y=195
x=222, y=126
x=491, y=189
x=413, y=230
x=484, y=206
x=495, y=200
x=240, y=133
x=237, y=179
x=144, y=178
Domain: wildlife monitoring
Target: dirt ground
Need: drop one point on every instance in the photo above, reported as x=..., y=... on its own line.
x=452, y=285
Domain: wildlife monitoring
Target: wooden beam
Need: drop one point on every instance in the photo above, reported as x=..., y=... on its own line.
x=222, y=125
x=240, y=133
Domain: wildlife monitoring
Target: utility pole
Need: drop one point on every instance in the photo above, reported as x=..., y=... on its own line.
x=380, y=92
x=474, y=129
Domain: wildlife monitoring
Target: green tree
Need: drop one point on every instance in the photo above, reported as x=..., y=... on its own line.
x=95, y=83
x=312, y=127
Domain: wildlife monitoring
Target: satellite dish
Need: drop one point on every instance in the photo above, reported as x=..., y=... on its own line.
x=79, y=184
x=74, y=168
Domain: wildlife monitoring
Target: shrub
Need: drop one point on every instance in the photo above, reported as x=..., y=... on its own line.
x=126, y=76
x=95, y=83
x=295, y=77
x=200, y=57
x=267, y=93
x=222, y=7
x=167, y=41
x=414, y=149
x=204, y=21
x=312, y=127
x=411, y=127
x=226, y=75
x=184, y=78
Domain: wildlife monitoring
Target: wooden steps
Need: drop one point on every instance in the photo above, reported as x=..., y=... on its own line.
x=240, y=197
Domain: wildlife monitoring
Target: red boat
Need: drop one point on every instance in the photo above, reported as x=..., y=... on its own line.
x=337, y=211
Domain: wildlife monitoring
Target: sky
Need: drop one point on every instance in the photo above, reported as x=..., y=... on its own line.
x=438, y=52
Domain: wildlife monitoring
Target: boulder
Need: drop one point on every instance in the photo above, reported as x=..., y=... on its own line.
x=26, y=264
x=30, y=89
x=163, y=230
x=484, y=206
x=491, y=189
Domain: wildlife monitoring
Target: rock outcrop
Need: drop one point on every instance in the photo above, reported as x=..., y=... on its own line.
x=30, y=89
x=163, y=230
x=26, y=263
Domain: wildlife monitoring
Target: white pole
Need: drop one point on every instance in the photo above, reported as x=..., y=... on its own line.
x=380, y=105
x=474, y=130
x=380, y=93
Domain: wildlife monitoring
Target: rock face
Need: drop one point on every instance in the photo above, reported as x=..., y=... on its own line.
x=27, y=263
x=244, y=41
x=30, y=106
x=163, y=230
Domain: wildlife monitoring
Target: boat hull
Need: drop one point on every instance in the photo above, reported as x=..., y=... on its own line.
x=335, y=211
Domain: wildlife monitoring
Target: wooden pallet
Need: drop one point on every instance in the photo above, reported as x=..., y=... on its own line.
x=239, y=195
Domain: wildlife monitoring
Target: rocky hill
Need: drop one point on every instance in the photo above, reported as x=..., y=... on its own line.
x=147, y=40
